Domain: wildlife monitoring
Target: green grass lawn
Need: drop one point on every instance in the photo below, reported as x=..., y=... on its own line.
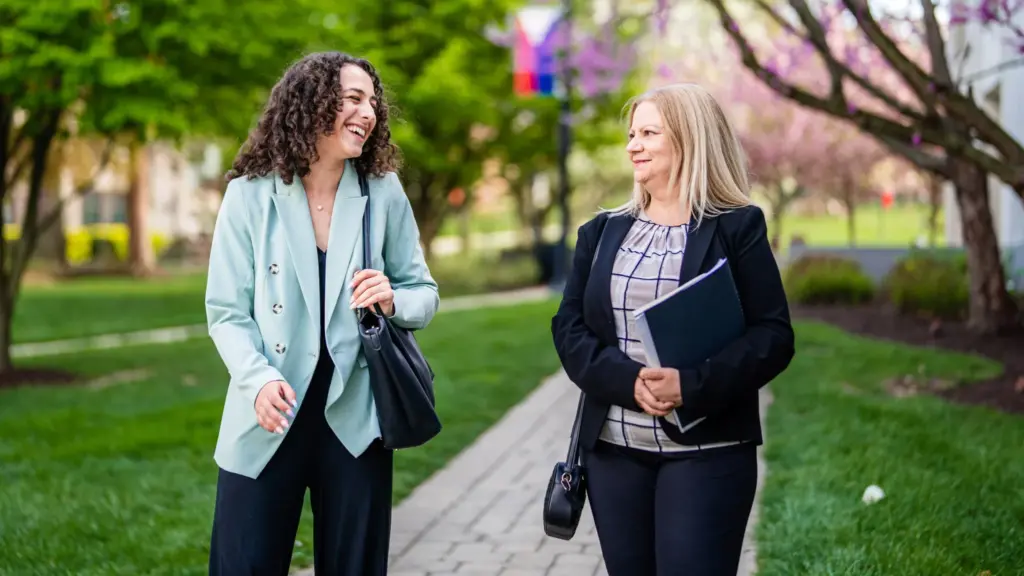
x=92, y=306
x=953, y=475
x=117, y=477
x=899, y=226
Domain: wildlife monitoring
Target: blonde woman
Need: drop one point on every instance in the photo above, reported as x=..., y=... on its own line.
x=665, y=501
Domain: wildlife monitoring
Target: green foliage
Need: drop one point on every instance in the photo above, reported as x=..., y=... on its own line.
x=130, y=72
x=825, y=279
x=929, y=284
x=444, y=78
x=466, y=274
x=160, y=68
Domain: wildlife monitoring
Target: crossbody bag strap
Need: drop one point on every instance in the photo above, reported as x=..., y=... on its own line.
x=364, y=189
x=572, y=457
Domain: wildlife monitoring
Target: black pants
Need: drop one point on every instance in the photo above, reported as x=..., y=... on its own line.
x=255, y=521
x=671, y=515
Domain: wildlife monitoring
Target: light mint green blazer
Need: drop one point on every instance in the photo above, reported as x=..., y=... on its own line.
x=263, y=303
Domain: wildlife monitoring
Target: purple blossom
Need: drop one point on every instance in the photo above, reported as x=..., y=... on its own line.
x=915, y=140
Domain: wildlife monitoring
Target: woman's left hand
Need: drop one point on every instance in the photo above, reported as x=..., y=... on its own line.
x=664, y=384
x=370, y=287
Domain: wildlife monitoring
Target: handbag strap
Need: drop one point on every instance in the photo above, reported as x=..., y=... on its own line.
x=364, y=189
x=572, y=458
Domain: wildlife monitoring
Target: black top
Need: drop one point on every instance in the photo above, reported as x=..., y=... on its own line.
x=724, y=388
x=321, y=381
x=322, y=261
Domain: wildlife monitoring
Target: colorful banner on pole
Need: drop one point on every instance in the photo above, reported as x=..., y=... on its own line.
x=534, y=50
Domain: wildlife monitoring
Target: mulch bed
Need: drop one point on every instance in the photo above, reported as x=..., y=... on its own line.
x=36, y=377
x=1005, y=392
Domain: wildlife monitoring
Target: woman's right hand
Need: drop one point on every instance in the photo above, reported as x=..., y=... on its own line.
x=275, y=399
x=648, y=402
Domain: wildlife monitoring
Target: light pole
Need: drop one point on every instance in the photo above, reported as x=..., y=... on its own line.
x=561, y=255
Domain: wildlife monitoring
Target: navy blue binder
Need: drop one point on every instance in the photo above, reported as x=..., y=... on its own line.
x=687, y=326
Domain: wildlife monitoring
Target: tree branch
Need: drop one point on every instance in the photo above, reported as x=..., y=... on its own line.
x=936, y=45
x=953, y=142
x=30, y=224
x=955, y=103
x=837, y=69
x=817, y=37
x=51, y=217
x=930, y=162
x=915, y=77
x=20, y=164
x=1001, y=67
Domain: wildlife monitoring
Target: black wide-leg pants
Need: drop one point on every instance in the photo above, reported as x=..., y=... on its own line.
x=256, y=520
x=680, y=515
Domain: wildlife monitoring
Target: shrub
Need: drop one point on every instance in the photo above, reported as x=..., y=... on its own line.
x=466, y=274
x=929, y=285
x=825, y=279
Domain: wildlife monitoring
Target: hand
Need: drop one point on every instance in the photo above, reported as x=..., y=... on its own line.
x=275, y=399
x=370, y=287
x=663, y=384
x=647, y=401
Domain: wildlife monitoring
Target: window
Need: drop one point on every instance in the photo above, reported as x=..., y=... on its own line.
x=91, y=208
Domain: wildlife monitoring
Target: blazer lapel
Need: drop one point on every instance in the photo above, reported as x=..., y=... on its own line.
x=346, y=231
x=697, y=243
x=293, y=208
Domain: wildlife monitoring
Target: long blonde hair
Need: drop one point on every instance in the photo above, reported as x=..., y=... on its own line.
x=710, y=169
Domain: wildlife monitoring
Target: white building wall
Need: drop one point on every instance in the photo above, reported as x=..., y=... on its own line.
x=1001, y=94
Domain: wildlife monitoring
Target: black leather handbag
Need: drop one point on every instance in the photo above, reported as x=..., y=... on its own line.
x=400, y=377
x=567, y=488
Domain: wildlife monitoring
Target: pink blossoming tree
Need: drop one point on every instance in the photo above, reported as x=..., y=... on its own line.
x=891, y=76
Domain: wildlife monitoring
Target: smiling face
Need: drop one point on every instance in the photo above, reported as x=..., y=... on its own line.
x=649, y=147
x=356, y=117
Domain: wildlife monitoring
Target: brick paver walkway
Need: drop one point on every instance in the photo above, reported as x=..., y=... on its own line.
x=482, y=513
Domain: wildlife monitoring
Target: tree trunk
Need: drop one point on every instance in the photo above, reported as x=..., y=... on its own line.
x=776, y=240
x=6, y=321
x=140, y=249
x=428, y=232
x=465, y=231
x=991, y=309
x=425, y=210
x=851, y=222
x=934, y=204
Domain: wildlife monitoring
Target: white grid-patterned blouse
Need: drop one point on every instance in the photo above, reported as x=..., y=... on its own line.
x=646, y=267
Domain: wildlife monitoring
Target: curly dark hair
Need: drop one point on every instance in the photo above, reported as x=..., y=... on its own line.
x=303, y=105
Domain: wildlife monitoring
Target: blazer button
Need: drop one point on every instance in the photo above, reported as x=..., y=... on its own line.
x=280, y=348
x=274, y=268
x=277, y=308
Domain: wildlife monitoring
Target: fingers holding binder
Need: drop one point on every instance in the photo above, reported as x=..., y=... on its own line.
x=646, y=399
x=663, y=383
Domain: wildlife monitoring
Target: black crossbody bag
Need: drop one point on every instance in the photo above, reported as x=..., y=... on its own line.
x=400, y=377
x=567, y=488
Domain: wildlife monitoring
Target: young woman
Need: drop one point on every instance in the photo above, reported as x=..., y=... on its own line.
x=286, y=279
x=666, y=501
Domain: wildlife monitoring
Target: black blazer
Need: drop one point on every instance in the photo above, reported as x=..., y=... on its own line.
x=724, y=388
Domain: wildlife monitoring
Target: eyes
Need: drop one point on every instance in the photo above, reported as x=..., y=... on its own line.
x=357, y=100
x=646, y=132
